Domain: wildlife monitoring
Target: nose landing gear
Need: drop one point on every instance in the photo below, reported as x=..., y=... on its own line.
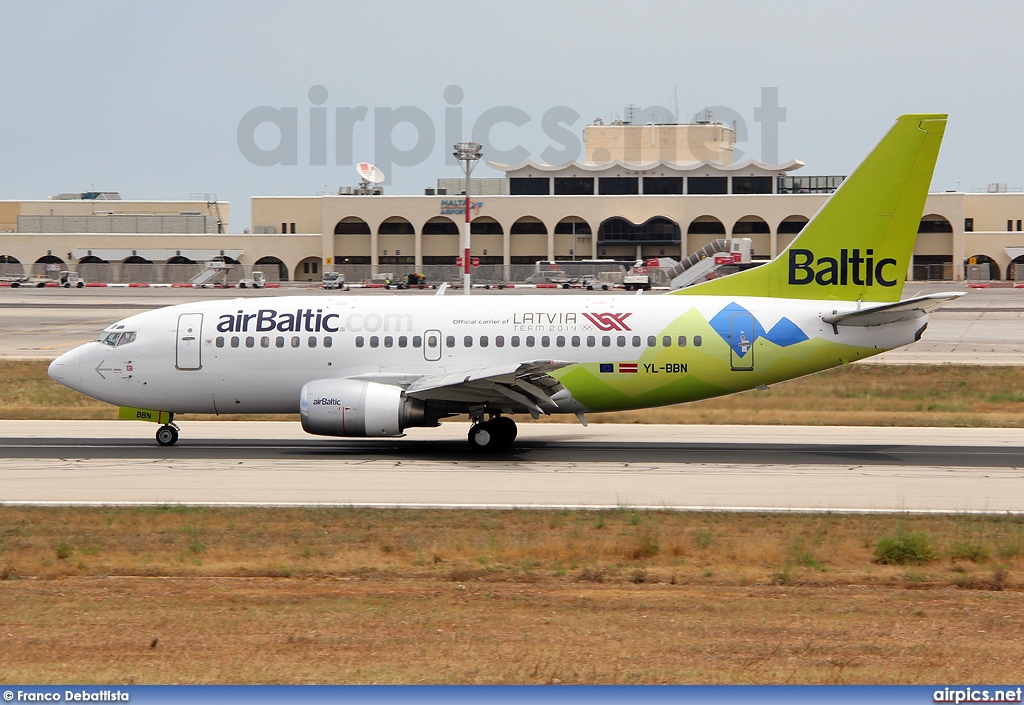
x=494, y=434
x=167, y=435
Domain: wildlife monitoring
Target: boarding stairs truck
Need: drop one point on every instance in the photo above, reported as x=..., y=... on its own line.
x=214, y=274
x=705, y=262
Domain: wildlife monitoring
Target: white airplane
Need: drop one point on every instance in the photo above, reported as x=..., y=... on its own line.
x=367, y=366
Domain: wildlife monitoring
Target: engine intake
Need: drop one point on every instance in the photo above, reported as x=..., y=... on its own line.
x=346, y=407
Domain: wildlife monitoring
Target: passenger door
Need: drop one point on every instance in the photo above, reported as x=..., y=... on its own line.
x=190, y=338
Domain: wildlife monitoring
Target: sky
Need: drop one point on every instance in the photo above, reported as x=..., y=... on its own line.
x=162, y=100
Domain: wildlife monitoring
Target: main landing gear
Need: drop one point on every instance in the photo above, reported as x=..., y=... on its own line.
x=494, y=434
x=167, y=435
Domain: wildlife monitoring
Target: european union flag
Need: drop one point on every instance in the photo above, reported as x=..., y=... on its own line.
x=607, y=367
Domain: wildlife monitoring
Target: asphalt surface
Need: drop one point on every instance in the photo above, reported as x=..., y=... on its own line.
x=554, y=465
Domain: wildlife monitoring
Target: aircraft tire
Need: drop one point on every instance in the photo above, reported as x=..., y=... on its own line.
x=167, y=435
x=506, y=430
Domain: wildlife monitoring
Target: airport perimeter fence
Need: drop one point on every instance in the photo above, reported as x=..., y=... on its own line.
x=182, y=274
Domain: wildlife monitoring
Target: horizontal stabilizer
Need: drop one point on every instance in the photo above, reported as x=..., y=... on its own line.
x=891, y=313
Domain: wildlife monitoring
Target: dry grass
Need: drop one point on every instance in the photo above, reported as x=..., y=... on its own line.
x=423, y=596
x=502, y=545
x=877, y=395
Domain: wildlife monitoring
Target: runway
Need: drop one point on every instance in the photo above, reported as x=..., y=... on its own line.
x=982, y=328
x=746, y=468
x=552, y=465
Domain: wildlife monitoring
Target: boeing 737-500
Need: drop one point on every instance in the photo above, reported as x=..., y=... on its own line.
x=368, y=366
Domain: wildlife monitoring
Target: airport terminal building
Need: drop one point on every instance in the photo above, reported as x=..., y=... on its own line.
x=642, y=191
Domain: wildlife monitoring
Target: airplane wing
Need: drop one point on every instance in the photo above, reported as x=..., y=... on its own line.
x=527, y=384
x=891, y=313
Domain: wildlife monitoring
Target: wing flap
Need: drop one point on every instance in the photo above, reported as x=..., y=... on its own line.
x=525, y=384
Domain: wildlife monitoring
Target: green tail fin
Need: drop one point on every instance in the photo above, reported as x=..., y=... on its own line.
x=858, y=246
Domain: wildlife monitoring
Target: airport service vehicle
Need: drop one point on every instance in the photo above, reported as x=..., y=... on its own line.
x=333, y=280
x=375, y=366
x=256, y=281
x=70, y=280
x=637, y=278
x=19, y=280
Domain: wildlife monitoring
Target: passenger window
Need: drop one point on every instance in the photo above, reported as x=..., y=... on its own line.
x=328, y=341
x=530, y=341
x=682, y=341
x=417, y=341
x=468, y=341
x=265, y=342
x=483, y=341
x=234, y=341
x=220, y=341
x=403, y=341
x=621, y=341
x=449, y=341
x=360, y=341
x=575, y=341
x=312, y=341
x=545, y=341
x=652, y=341
x=431, y=341
x=560, y=341
x=280, y=341
x=606, y=341
x=374, y=341
x=636, y=341
x=697, y=341
x=250, y=342
x=591, y=341
x=389, y=342
x=515, y=341
x=295, y=341
x=667, y=341
x=499, y=341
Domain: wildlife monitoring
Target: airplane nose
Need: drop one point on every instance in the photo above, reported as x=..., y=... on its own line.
x=67, y=369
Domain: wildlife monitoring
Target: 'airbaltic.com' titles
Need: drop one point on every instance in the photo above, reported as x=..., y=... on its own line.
x=367, y=366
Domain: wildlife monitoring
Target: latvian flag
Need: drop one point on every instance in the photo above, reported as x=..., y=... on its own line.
x=627, y=367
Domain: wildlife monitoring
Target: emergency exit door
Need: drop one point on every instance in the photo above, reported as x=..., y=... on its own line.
x=190, y=338
x=432, y=345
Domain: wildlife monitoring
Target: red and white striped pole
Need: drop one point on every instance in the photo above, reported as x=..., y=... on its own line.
x=468, y=154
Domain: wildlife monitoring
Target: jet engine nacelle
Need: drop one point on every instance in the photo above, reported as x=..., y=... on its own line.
x=346, y=407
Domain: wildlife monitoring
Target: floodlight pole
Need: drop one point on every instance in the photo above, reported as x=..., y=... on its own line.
x=468, y=154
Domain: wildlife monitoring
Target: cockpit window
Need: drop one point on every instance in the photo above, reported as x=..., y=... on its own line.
x=116, y=337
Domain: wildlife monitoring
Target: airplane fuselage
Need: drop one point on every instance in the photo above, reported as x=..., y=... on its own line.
x=622, y=352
